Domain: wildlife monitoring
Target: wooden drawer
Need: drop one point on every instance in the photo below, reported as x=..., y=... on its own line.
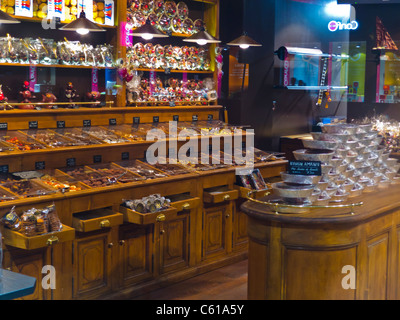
x=96, y=220
x=257, y=194
x=18, y=240
x=219, y=194
x=184, y=202
x=132, y=216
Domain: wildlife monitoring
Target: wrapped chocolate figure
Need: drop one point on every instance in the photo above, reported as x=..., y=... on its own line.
x=71, y=95
x=26, y=94
x=94, y=96
x=49, y=97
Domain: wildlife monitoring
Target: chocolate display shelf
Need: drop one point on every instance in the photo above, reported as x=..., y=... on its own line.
x=142, y=169
x=21, y=141
x=104, y=135
x=28, y=188
x=52, y=139
x=81, y=137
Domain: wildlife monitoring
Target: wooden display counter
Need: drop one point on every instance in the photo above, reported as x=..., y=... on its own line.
x=310, y=255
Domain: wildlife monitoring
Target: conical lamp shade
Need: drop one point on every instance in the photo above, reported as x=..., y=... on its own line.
x=6, y=18
x=148, y=30
x=202, y=37
x=244, y=41
x=82, y=23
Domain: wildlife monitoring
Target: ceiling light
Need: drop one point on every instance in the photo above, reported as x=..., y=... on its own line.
x=202, y=38
x=148, y=32
x=244, y=42
x=82, y=25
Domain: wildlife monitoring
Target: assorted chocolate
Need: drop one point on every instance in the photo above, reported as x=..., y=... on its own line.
x=150, y=204
x=33, y=221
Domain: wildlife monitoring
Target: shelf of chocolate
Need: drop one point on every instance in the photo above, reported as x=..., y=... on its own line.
x=79, y=136
x=133, y=216
x=28, y=188
x=96, y=220
x=142, y=169
x=21, y=141
x=52, y=139
x=104, y=135
x=60, y=181
x=115, y=173
x=19, y=240
x=219, y=194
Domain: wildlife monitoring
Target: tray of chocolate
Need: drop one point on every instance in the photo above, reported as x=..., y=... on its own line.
x=77, y=135
x=52, y=139
x=28, y=188
x=5, y=147
x=6, y=195
x=21, y=141
x=142, y=169
x=115, y=173
x=104, y=135
x=129, y=132
x=60, y=181
x=195, y=165
x=169, y=168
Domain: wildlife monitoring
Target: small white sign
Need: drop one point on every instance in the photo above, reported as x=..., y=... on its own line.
x=24, y=8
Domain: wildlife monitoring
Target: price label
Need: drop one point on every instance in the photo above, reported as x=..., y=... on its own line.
x=3, y=126
x=156, y=119
x=4, y=168
x=172, y=104
x=175, y=118
x=71, y=162
x=306, y=168
x=195, y=117
x=136, y=120
x=87, y=123
x=125, y=156
x=33, y=124
x=167, y=70
x=112, y=122
x=40, y=165
x=210, y=117
x=60, y=124
x=97, y=159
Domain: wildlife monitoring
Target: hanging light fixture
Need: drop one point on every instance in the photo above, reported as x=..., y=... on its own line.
x=202, y=37
x=244, y=41
x=82, y=25
x=148, y=31
x=7, y=19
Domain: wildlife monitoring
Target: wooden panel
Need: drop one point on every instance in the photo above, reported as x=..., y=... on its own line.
x=31, y=265
x=214, y=231
x=377, y=267
x=91, y=260
x=258, y=271
x=240, y=238
x=305, y=282
x=174, y=244
x=135, y=254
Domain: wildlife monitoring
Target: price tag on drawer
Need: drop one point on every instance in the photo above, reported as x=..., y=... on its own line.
x=97, y=159
x=60, y=124
x=40, y=165
x=112, y=122
x=33, y=124
x=175, y=118
x=4, y=168
x=125, y=156
x=306, y=168
x=71, y=162
x=195, y=118
x=3, y=125
x=210, y=117
x=156, y=119
x=87, y=123
x=136, y=120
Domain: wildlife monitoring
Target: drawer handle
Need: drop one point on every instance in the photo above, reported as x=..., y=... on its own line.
x=52, y=240
x=186, y=206
x=160, y=217
x=227, y=197
x=105, y=223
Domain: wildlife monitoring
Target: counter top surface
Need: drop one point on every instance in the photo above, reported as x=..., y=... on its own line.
x=374, y=203
x=15, y=285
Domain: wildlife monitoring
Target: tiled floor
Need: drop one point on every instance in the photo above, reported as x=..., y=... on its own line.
x=226, y=283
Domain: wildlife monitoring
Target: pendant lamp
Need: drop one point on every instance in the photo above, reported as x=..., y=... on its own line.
x=202, y=37
x=7, y=19
x=244, y=41
x=82, y=25
x=148, y=31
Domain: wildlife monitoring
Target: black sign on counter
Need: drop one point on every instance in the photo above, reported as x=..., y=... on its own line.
x=167, y=70
x=33, y=124
x=87, y=123
x=97, y=159
x=175, y=118
x=112, y=122
x=172, y=104
x=71, y=162
x=60, y=124
x=306, y=168
x=195, y=117
x=3, y=125
x=125, y=156
x=40, y=165
x=210, y=117
x=4, y=168
x=156, y=119
x=136, y=120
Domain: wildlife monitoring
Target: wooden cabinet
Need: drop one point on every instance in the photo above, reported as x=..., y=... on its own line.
x=92, y=257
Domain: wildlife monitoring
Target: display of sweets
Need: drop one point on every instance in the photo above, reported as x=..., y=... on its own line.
x=165, y=15
x=33, y=221
x=150, y=204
